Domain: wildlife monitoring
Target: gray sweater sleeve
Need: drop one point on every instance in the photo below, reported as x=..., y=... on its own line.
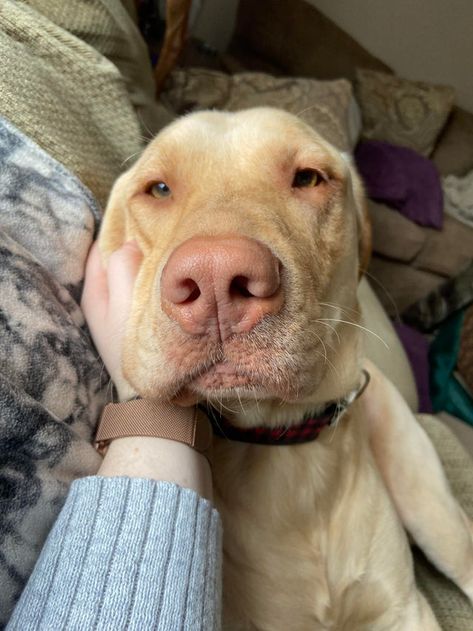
x=127, y=554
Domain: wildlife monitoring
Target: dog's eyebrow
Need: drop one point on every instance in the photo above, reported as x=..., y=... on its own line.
x=151, y=166
x=312, y=152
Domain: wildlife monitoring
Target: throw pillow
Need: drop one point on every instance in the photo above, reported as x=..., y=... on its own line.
x=409, y=113
x=401, y=178
x=454, y=150
x=328, y=106
x=394, y=236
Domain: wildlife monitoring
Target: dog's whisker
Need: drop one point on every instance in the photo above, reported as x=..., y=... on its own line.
x=147, y=129
x=215, y=419
x=133, y=155
x=109, y=390
x=306, y=109
x=256, y=402
x=346, y=310
x=333, y=329
x=240, y=401
x=335, y=426
x=323, y=346
x=330, y=364
x=387, y=294
x=224, y=407
x=102, y=370
x=358, y=326
x=146, y=139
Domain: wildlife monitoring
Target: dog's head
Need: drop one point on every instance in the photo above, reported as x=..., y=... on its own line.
x=253, y=233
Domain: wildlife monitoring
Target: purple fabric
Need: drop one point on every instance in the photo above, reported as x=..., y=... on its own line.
x=416, y=346
x=402, y=179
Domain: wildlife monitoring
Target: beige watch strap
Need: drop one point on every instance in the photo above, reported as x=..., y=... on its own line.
x=144, y=417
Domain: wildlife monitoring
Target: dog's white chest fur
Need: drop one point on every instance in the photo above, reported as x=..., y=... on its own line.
x=309, y=536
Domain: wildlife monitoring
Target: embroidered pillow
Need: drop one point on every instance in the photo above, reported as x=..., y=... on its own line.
x=402, y=112
x=328, y=106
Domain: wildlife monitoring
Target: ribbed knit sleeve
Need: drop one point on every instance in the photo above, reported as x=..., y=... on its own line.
x=127, y=554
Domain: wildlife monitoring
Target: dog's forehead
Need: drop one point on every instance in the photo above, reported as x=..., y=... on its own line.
x=265, y=134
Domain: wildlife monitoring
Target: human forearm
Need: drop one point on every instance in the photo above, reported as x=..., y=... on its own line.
x=127, y=553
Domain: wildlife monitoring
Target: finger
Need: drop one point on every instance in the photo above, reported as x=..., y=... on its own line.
x=122, y=270
x=95, y=293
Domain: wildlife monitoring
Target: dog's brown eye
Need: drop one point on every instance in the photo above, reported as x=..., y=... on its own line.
x=307, y=178
x=159, y=190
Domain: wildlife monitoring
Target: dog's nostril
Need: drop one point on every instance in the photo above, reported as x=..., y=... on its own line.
x=239, y=287
x=189, y=291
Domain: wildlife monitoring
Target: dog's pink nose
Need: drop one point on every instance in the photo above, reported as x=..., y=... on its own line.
x=220, y=285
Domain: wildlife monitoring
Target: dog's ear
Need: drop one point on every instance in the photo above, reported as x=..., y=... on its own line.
x=364, y=225
x=114, y=229
x=362, y=217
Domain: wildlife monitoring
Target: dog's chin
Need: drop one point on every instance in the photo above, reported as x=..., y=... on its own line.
x=223, y=382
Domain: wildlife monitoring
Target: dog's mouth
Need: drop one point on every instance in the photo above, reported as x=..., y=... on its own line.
x=222, y=375
x=271, y=362
x=225, y=380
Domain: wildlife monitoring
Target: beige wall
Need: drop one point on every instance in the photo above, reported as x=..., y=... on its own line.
x=216, y=21
x=430, y=40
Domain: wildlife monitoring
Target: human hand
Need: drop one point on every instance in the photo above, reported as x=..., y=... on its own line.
x=106, y=302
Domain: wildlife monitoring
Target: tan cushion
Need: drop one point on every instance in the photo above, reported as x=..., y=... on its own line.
x=65, y=95
x=457, y=463
x=302, y=41
x=398, y=285
x=463, y=431
x=447, y=251
x=120, y=42
x=329, y=106
x=393, y=235
x=453, y=154
x=402, y=112
x=451, y=607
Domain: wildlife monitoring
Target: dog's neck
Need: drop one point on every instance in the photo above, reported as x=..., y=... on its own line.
x=288, y=434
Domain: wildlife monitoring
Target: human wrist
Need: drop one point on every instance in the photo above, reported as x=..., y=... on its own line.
x=158, y=459
x=157, y=440
x=154, y=418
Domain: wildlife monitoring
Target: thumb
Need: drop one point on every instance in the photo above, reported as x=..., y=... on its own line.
x=95, y=292
x=122, y=270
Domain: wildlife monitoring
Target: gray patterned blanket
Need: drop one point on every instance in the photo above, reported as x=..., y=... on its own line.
x=51, y=381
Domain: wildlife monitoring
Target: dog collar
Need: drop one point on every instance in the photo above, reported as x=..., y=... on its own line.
x=306, y=431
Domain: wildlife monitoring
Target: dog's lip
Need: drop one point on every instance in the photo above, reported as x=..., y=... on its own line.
x=225, y=370
x=220, y=376
x=224, y=380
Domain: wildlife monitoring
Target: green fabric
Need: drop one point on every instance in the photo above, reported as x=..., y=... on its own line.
x=447, y=392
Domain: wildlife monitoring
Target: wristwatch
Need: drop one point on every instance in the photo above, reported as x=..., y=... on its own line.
x=146, y=417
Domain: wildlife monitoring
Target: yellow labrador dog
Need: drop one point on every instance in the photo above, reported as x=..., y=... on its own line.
x=253, y=233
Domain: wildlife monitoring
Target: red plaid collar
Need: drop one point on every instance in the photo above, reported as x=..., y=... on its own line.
x=306, y=431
